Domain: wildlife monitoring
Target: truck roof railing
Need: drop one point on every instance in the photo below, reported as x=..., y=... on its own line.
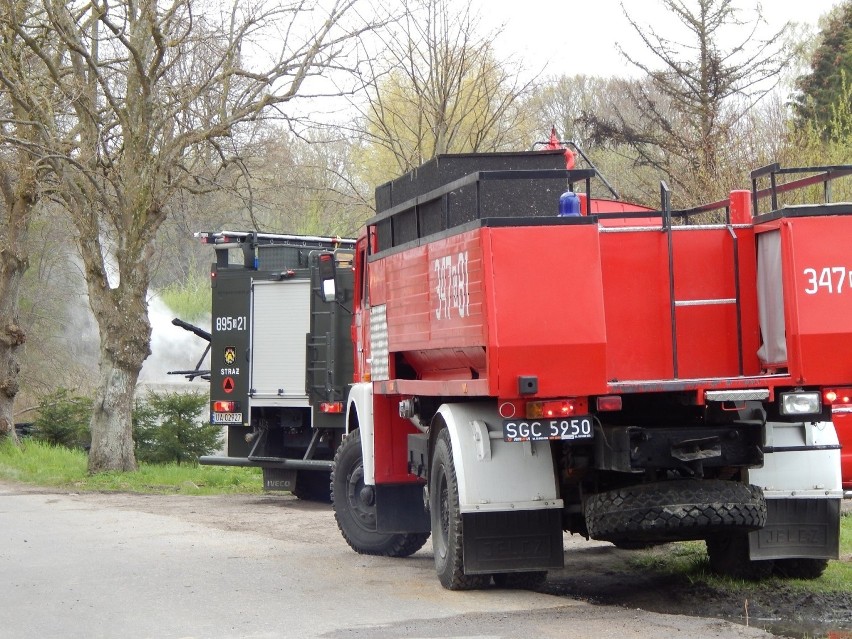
x=825, y=175
x=226, y=237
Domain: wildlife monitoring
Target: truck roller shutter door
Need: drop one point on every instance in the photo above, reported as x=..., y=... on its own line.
x=280, y=321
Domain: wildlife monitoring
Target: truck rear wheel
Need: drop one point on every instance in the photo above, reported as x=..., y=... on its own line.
x=800, y=568
x=313, y=485
x=447, y=530
x=677, y=510
x=355, y=507
x=729, y=556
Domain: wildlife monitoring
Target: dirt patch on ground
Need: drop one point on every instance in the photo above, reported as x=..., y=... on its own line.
x=605, y=575
x=594, y=571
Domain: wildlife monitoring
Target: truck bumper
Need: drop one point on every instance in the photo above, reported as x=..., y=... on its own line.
x=266, y=462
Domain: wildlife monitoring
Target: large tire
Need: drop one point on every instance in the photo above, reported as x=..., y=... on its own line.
x=520, y=580
x=355, y=509
x=729, y=556
x=447, y=531
x=800, y=568
x=678, y=510
x=313, y=485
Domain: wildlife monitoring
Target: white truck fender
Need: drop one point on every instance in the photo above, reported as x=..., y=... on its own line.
x=801, y=460
x=361, y=404
x=492, y=474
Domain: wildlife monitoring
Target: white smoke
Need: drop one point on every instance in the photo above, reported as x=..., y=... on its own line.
x=172, y=348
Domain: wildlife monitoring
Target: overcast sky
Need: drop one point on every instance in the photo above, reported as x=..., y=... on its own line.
x=579, y=37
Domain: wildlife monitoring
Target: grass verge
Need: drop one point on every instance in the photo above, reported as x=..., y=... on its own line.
x=45, y=465
x=689, y=560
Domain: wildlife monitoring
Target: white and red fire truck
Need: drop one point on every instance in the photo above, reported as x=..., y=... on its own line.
x=527, y=360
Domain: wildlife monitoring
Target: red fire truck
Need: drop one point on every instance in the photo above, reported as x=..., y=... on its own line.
x=626, y=374
x=531, y=358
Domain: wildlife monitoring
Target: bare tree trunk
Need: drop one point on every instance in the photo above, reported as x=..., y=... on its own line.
x=122, y=316
x=13, y=264
x=112, y=432
x=19, y=201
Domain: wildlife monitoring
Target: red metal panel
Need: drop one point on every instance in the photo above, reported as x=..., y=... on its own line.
x=545, y=306
x=435, y=307
x=456, y=272
x=818, y=291
x=407, y=298
x=638, y=317
x=391, y=441
x=377, y=283
x=638, y=303
x=707, y=341
x=748, y=300
x=704, y=269
x=704, y=264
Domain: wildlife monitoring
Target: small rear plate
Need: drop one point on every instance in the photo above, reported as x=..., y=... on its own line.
x=227, y=418
x=571, y=428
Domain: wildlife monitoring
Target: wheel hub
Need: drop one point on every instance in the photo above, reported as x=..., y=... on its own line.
x=367, y=495
x=361, y=499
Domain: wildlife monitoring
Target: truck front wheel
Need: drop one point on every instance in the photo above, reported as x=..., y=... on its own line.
x=447, y=532
x=355, y=507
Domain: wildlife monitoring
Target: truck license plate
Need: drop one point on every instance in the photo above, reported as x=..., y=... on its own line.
x=227, y=418
x=564, y=428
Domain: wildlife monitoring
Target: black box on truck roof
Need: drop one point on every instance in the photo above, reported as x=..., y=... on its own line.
x=407, y=208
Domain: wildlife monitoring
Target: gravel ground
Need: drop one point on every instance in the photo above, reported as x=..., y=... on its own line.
x=595, y=572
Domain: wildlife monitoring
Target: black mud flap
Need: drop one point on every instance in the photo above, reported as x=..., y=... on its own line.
x=806, y=528
x=513, y=541
x=400, y=509
x=279, y=479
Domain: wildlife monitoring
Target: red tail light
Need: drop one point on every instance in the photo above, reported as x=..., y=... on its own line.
x=331, y=407
x=557, y=408
x=835, y=396
x=609, y=402
x=225, y=407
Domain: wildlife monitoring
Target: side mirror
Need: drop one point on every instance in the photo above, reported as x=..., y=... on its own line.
x=327, y=273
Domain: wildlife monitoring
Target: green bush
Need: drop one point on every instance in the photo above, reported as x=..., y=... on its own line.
x=166, y=428
x=63, y=420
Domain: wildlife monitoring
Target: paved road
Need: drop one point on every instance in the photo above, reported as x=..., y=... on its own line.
x=125, y=566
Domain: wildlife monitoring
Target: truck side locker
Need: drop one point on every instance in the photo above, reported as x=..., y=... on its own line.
x=280, y=320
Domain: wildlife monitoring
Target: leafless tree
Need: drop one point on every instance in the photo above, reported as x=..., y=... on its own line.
x=19, y=191
x=438, y=87
x=307, y=185
x=153, y=93
x=696, y=91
